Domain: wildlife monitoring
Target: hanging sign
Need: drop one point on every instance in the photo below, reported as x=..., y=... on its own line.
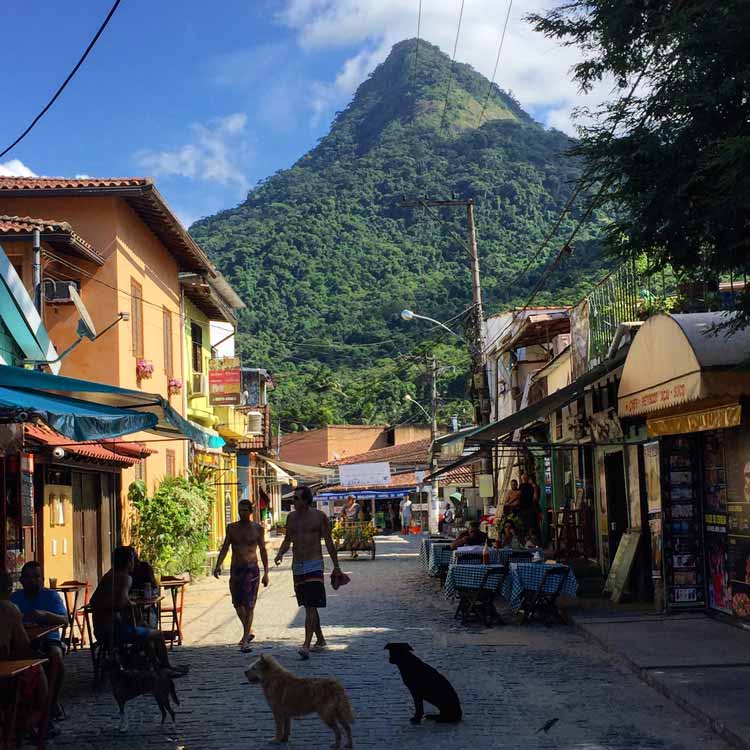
x=224, y=381
x=27, y=489
x=365, y=474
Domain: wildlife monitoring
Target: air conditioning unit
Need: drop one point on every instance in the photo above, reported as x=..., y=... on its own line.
x=58, y=292
x=254, y=422
x=199, y=384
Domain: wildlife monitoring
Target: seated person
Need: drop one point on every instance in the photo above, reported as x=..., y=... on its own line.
x=532, y=540
x=470, y=537
x=41, y=606
x=143, y=575
x=113, y=615
x=14, y=644
x=509, y=537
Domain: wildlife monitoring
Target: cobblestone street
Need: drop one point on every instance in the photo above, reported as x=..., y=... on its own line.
x=510, y=680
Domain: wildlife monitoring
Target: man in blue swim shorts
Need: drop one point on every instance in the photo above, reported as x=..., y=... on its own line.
x=246, y=538
x=305, y=528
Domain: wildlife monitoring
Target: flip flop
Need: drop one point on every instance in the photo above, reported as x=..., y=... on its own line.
x=246, y=649
x=304, y=655
x=319, y=647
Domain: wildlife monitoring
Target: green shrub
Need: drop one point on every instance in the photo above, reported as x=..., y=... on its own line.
x=170, y=528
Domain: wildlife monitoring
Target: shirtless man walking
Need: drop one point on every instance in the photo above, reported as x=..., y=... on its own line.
x=305, y=528
x=245, y=538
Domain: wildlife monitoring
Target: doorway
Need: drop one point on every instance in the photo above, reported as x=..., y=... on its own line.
x=617, y=499
x=87, y=542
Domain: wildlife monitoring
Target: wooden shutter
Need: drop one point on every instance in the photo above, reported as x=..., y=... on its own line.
x=170, y=463
x=136, y=317
x=167, y=325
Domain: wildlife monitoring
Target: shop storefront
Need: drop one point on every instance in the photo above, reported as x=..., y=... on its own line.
x=693, y=397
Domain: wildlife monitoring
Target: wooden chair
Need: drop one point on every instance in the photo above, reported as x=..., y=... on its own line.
x=520, y=556
x=477, y=604
x=106, y=651
x=542, y=603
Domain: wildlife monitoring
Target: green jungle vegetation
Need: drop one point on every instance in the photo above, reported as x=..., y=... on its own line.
x=325, y=257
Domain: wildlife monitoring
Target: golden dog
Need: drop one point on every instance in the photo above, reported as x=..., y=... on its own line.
x=290, y=696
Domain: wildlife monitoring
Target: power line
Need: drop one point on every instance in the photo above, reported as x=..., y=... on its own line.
x=453, y=63
x=497, y=63
x=416, y=53
x=65, y=82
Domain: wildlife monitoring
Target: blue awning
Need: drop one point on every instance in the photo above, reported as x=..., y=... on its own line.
x=367, y=494
x=156, y=412
x=77, y=420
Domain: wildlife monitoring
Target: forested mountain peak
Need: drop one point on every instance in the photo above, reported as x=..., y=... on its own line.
x=325, y=256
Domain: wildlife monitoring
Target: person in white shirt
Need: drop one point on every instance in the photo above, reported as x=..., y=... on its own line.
x=405, y=515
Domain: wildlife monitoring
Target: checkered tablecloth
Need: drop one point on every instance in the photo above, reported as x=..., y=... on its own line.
x=520, y=577
x=468, y=576
x=424, y=552
x=527, y=577
x=440, y=558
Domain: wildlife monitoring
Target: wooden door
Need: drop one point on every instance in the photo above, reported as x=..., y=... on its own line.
x=107, y=533
x=86, y=540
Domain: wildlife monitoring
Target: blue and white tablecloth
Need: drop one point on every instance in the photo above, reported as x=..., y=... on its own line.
x=469, y=576
x=424, y=552
x=440, y=558
x=520, y=577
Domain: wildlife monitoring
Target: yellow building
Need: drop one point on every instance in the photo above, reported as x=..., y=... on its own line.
x=204, y=303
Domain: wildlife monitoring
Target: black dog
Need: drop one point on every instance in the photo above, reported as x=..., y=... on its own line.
x=425, y=684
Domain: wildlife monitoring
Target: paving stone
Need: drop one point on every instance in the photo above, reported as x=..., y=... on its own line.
x=511, y=680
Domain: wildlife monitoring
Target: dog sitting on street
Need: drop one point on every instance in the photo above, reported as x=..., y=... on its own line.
x=290, y=697
x=425, y=684
x=130, y=683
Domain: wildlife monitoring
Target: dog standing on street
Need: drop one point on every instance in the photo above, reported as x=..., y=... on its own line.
x=425, y=684
x=290, y=697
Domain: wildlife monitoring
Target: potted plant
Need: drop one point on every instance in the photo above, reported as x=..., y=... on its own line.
x=144, y=369
x=174, y=386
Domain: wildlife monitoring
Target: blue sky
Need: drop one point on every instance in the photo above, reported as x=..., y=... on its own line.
x=210, y=98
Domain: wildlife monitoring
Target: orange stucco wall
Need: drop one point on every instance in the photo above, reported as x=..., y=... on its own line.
x=131, y=251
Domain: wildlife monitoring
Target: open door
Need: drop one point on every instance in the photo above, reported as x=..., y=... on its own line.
x=617, y=500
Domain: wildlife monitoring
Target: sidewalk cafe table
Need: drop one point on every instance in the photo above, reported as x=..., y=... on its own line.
x=72, y=591
x=11, y=669
x=424, y=549
x=35, y=632
x=440, y=558
x=176, y=588
x=527, y=577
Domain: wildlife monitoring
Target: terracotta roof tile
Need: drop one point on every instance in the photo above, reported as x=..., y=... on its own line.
x=414, y=452
x=53, y=183
x=23, y=225
x=92, y=451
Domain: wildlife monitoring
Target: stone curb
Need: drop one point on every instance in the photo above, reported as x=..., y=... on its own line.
x=645, y=675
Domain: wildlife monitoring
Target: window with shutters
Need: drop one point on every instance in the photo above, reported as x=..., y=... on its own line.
x=136, y=317
x=170, y=463
x=167, y=326
x=196, y=335
x=140, y=470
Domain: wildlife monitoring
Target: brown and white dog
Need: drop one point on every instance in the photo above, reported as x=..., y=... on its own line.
x=290, y=697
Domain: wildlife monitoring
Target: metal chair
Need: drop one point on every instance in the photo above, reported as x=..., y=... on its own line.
x=542, y=603
x=477, y=604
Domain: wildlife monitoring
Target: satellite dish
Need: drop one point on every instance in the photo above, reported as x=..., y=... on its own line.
x=85, y=324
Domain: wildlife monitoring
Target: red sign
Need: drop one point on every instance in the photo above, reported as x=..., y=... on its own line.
x=224, y=381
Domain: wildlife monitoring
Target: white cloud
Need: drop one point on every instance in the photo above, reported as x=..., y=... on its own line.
x=15, y=168
x=534, y=68
x=217, y=153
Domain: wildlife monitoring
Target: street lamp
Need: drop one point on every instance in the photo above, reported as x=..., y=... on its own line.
x=412, y=400
x=409, y=315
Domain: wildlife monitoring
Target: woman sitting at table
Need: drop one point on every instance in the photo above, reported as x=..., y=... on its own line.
x=14, y=644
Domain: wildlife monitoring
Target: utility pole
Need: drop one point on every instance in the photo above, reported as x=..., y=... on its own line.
x=479, y=375
x=432, y=508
